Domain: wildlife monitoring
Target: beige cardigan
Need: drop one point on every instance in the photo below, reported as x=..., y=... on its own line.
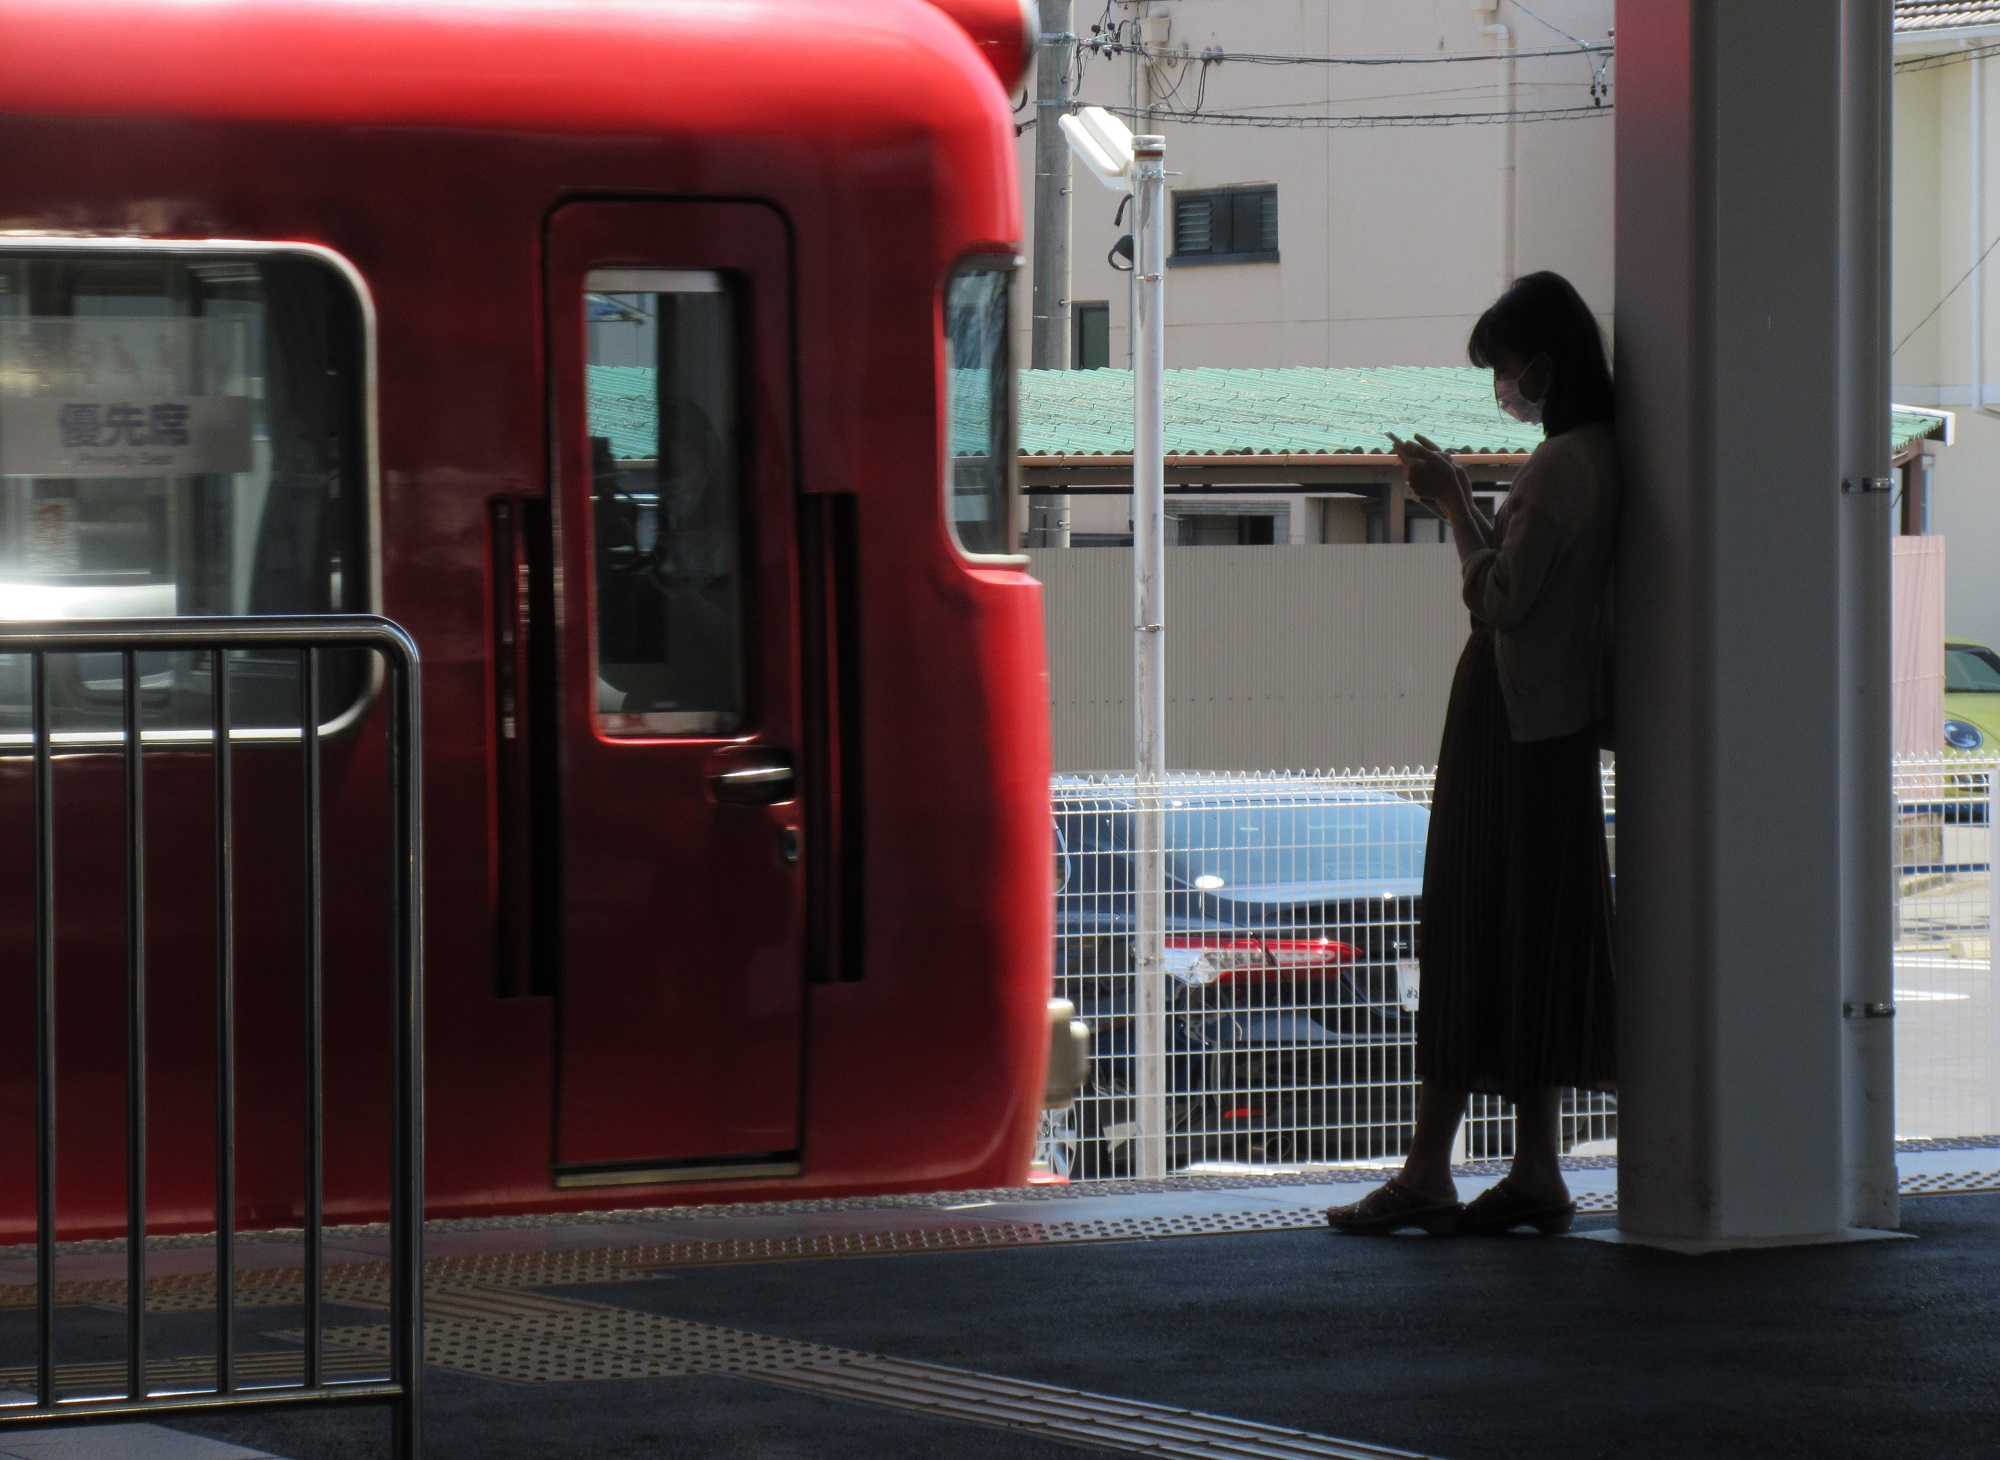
x=1544, y=583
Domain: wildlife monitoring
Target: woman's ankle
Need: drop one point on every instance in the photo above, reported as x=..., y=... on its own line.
x=1429, y=1179
x=1540, y=1178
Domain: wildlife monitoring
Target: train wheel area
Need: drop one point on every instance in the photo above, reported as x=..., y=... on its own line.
x=1035, y=1321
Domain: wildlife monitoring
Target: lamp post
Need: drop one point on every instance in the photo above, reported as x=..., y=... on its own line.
x=1126, y=163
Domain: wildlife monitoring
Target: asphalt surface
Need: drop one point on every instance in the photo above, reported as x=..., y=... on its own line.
x=1559, y=1350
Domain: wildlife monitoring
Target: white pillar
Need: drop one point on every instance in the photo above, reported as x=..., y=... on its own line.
x=1753, y=776
x=1867, y=896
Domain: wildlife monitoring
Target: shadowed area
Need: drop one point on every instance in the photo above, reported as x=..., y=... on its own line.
x=1460, y=1348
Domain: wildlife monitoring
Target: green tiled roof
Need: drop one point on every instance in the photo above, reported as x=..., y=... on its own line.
x=1906, y=428
x=625, y=405
x=1298, y=411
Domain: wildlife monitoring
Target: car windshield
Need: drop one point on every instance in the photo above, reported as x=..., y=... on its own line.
x=1221, y=847
x=1971, y=669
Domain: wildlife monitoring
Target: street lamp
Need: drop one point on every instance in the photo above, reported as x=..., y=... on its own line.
x=1125, y=163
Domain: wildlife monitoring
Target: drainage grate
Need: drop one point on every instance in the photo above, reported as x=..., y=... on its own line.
x=535, y=1338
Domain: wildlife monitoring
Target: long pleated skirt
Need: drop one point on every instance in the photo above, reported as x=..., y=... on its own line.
x=1515, y=938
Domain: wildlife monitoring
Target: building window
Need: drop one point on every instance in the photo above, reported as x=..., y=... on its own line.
x=1226, y=226
x=1090, y=330
x=1233, y=523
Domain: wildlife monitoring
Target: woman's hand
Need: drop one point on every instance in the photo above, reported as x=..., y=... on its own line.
x=1432, y=475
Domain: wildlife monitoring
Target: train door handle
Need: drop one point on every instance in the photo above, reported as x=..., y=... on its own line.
x=752, y=775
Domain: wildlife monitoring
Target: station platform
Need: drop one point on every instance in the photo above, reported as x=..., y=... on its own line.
x=1208, y=1315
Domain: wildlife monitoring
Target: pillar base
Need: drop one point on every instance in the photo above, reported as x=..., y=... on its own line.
x=1698, y=1246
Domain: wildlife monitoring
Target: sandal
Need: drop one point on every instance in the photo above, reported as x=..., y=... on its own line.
x=1503, y=1206
x=1391, y=1207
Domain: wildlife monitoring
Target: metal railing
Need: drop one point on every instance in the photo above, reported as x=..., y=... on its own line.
x=217, y=638
x=1282, y=1021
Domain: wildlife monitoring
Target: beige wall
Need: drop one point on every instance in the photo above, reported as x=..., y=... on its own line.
x=1295, y=658
x=1933, y=203
x=1389, y=237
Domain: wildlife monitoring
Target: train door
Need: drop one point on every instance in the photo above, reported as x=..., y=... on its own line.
x=681, y=990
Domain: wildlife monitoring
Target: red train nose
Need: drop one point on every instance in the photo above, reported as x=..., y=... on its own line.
x=1004, y=31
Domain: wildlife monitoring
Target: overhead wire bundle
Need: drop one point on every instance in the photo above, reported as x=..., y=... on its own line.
x=1112, y=38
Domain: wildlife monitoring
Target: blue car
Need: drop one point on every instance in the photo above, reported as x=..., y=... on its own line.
x=1290, y=961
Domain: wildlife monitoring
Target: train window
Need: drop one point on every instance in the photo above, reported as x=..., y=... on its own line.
x=979, y=404
x=181, y=433
x=666, y=493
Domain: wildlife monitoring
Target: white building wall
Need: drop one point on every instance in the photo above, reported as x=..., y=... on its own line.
x=1935, y=200
x=1389, y=238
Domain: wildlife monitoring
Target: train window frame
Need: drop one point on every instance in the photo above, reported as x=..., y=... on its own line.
x=110, y=246
x=1008, y=267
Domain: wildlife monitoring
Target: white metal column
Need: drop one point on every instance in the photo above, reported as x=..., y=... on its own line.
x=1754, y=1075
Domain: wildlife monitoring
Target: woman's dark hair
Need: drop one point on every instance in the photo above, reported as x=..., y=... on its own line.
x=1542, y=314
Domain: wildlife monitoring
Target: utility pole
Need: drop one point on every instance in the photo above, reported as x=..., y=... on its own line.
x=1149, y=651
x=1049, y=347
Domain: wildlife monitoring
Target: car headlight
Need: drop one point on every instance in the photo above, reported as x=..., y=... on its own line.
x=1961, y=735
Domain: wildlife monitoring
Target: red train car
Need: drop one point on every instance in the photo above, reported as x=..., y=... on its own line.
x=649, y=363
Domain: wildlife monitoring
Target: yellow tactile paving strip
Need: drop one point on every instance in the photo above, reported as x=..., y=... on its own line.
x=366, y=1283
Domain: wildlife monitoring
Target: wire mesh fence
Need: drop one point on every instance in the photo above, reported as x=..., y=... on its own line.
x=1283, y=1007
x=1947, y=1033
x=1278, y=1027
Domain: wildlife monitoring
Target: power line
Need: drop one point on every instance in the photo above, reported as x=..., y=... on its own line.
x=1581, y=43
x=1391, y=119
x=1947, y=295
x=1599, y=89
x=1939, y=59
x=1215, y=55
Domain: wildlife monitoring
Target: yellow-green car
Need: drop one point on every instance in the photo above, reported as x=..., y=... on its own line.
x=1971, y=698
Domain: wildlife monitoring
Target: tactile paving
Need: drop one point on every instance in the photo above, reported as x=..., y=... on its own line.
x=533, y=1337
x=78, y=1381
x=1950, y=1183
x=366, y=1283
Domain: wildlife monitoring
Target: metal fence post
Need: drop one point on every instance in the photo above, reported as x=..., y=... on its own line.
x=1992, y=952
x=1149, y=652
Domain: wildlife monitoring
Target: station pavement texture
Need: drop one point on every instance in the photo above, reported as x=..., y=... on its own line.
x=1036, y=1322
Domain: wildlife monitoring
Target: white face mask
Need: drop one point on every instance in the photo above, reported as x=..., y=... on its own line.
x=1508, y=394
x=1515, y=403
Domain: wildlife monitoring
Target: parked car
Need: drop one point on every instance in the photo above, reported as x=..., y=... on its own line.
x=1971, y=698
x=1290, y=963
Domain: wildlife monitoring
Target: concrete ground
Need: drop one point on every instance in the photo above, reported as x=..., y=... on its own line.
x=1465, y=1348
x=1453, y=1348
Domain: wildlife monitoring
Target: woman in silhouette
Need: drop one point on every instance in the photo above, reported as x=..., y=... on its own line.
x=1515, y=937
